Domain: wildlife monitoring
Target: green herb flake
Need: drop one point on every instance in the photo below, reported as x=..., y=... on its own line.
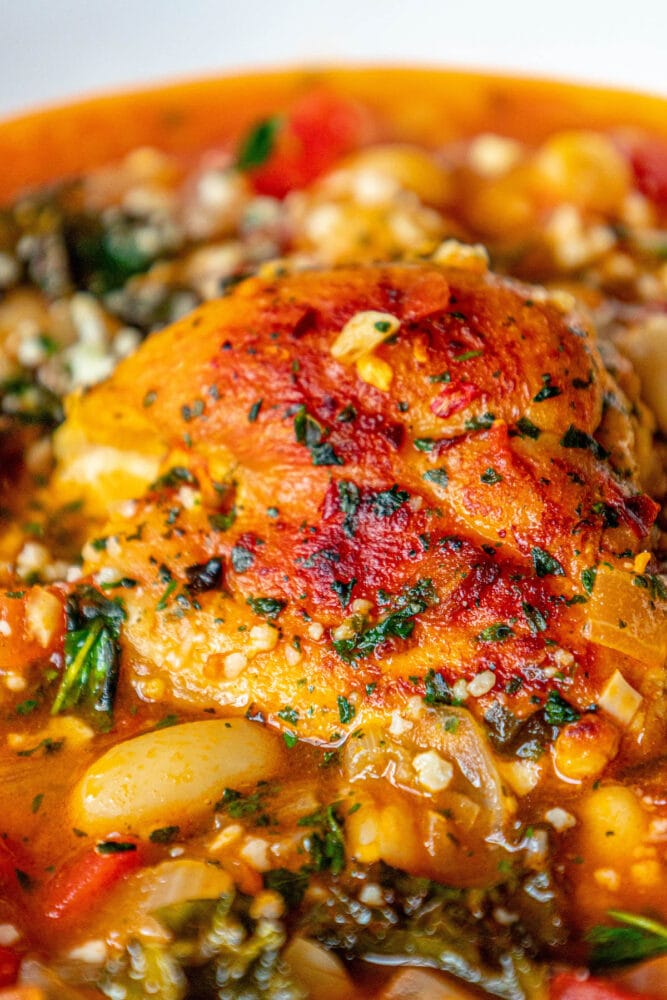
x=92, y=652
x=588, y=577
x=290, y=885
x=499, y=632
x=548, y=391
x=490, y=476
x=425, y=444
x=557, y=711
x=527, y=429
x=637, y=939
x=115, y=847
x=253, y=412
x=326, y=844
x=467, y=355
x=545, y=564
x=343, y=591
x=259, y=143
x=437, y=476
x=387, y=502
x=346, y=711
x=164, y=835
x=266, y=607
x=575, y=438
x=480, y=423
x=436, y=689
x=242, y=558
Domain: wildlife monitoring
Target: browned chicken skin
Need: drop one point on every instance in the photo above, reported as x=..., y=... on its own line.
x=323, y=534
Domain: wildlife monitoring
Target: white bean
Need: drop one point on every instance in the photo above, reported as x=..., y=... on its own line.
x=172, y=776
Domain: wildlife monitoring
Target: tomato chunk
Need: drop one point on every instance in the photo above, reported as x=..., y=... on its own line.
x=9, y=966
x=648, y=158
x=568, y=986
x=319, y=129
x=78, y=887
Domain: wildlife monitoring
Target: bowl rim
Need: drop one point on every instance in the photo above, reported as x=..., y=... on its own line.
x=182, y=116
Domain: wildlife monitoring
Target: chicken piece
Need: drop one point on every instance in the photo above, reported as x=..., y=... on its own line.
x=310, y=528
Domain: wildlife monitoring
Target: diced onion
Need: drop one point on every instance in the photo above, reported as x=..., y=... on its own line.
x=619, y=699
x=179, y=881
x=362, y=334
x=622, y=616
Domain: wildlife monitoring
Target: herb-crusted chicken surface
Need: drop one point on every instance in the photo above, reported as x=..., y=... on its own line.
x=332, y=488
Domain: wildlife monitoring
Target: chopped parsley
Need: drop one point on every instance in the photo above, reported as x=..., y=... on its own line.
x=499, y=632
x=343, y=591
x=266, y=607
x=575, y=438
x=480, y=423
x=527, y=429
x=557, y=711
x=436, y=689
x=164, y=835
x=490, y=476
x=326, y=844
x=545, y=564
x=588, y=577
x=242, y=558
x=309, y=432
x=637, y=939
x=437, y=476
x=548, y=391
x=387, y=502
x=92, y=652
x=259, y=143
x=346, y=711
x=349, y=500
x=399, y=623
x=424, y=444
x=253, y=412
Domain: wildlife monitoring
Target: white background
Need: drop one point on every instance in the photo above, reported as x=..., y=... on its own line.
x=54, y=49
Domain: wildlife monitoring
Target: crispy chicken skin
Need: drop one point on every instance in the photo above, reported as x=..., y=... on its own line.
x=292, y=539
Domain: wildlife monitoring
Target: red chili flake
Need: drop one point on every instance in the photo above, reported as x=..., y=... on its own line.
x=454, y=397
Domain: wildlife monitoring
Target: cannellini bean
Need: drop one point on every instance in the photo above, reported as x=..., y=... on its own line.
x=172, y=776
x=318, y=970
x=413, y=984
x=613, y=825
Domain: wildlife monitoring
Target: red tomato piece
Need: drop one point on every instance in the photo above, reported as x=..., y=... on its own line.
x=648, y=158
x=319, y=129
x=568, y=986
x=9, y=966
x=454, y=397
x=78, y=887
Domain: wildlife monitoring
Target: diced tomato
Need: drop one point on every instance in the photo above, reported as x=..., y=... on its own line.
x=80, y=885
x=454, y=397
x=568, y=986
x=319, y=129
x=9, y=966
x=648, y=158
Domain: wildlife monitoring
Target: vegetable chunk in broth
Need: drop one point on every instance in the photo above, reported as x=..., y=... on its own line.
x=332, y=620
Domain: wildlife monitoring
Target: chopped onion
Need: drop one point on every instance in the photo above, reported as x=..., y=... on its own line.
x=622, y=616
x=362, y=334
x=619, y=699
x=181, y=881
